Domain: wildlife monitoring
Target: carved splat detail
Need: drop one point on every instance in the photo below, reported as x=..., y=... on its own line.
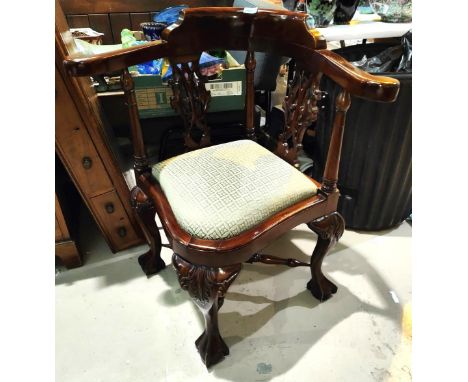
x=191, y=100
x=202, y=282
x=207, y=287
x=300, y=110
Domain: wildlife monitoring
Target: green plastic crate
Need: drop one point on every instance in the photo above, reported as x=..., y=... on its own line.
x=154, y=97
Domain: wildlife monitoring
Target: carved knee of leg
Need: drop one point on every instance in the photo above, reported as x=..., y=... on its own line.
x=329, y=227
x=207, y=287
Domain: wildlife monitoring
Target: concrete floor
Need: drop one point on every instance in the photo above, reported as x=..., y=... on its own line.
x=114, y=324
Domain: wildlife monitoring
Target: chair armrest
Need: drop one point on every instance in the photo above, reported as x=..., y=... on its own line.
x=356, y=81
x=87, y=65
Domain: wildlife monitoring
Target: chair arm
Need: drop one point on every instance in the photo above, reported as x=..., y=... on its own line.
x=116, y=60
x=356, y=81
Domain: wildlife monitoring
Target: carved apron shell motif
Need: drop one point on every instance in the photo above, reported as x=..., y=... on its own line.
x=203, y=283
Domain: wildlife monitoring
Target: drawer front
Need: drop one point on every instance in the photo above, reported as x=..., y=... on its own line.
x=76, y=146
x=109, y=210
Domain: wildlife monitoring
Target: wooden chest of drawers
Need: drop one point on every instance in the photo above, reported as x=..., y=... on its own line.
x=82, y=146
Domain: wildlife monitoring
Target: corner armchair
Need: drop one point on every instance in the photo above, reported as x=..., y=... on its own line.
x=220, y=205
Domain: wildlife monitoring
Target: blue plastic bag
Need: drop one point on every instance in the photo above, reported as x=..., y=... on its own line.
x=169, y=15
x=149, y=67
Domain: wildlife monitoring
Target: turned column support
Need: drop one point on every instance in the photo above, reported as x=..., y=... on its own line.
x=330, y=175
x=207, y=287
x=140, y=161
x=250, y=64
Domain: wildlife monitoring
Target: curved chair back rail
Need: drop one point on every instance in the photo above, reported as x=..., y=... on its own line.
x=281, y=32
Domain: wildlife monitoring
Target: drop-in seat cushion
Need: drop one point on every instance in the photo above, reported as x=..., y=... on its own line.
x=220, y=191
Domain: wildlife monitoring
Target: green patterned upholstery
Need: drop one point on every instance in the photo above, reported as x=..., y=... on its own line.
x=220, y=191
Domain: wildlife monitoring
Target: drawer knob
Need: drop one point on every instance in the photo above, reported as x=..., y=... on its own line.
x=110, y=207
x=122, y=232
x=87, y=163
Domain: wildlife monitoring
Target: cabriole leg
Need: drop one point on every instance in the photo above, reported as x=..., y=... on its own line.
x=151, y=261
x=329, y=229
x=207, y=287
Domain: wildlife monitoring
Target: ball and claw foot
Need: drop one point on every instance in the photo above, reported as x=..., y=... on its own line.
x=322, y=290
x=212, y=349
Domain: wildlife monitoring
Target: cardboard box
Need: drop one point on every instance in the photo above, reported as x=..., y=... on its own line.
x=154, y=96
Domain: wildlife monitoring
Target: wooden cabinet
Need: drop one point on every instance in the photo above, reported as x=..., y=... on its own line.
x=76, y=145
x=82, y=147
x=65, y=246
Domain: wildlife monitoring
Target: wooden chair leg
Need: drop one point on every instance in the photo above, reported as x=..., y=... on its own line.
x=151, y=261
x=207, y=287
x=329, y=229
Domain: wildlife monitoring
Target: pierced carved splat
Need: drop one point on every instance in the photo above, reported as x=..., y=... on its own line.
x=300, y=110
x=191, y=100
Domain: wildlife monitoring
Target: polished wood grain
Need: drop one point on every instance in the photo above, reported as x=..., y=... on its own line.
x=206, y=29
x=241, y=247
x=207, y=267
x=275, y=260
x=79, y=64
x=355, y=81
x=329, y=229
x=330, y=175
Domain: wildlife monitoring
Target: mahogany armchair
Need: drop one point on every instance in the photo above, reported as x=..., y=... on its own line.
x=220, y=205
